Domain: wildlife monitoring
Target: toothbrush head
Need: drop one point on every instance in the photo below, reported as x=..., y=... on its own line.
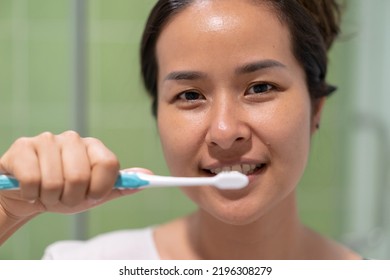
x=230, y=180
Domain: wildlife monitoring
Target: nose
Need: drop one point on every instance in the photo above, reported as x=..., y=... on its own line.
x=228, y=126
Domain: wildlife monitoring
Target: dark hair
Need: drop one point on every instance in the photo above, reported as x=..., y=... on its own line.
x=313, y=25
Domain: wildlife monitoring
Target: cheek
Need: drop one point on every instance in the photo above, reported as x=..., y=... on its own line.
x=181, y=138
x=169, y=139
x=290, y=136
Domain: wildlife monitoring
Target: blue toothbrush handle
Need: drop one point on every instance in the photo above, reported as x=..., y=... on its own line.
x=125, y=180
x=8, y=182
x=129, y=180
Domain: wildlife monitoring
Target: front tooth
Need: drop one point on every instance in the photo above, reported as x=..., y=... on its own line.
x=226, y=169
x=237, y=167
x=246, y=168
x=217, y=170
x=253, y=167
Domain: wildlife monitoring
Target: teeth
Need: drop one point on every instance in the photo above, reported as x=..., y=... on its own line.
x=246, y=168
x=243, y=168
x=226, y=169
x=237, y=167
x=216, y=170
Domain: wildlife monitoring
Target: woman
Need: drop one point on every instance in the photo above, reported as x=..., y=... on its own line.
x=236, y=85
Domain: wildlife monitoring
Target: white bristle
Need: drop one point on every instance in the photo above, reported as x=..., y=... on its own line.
x=231, y=180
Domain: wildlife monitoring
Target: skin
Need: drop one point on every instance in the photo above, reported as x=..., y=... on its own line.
x=57, y=173
x=230, y=92
x=210, y=57
x=230, y=123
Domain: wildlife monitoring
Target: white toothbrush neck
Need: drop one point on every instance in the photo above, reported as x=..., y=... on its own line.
x=166, y=181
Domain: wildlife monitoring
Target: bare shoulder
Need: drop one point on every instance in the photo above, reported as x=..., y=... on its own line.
x=172, y=240
x=319, y=247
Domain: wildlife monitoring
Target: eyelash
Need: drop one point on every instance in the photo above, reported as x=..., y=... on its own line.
x=199, y=96
x=181, y=96
x=270, y=87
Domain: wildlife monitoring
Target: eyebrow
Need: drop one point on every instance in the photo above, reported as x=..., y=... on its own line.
x=244, y=69
x=259, y=65
x=185, y=75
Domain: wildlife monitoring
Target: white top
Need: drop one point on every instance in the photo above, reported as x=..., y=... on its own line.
x=118, y=245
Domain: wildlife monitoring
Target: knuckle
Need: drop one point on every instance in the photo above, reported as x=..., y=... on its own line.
x=110, y=161
x=78, y=179
x=48, y=136
x=22, y=142
x=44, y=140
x=93, y=141
x=71, y=134
x=29, y=180
x=102, y=156
x=53, y=185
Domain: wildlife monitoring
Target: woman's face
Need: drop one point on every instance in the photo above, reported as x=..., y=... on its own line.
x=231, y=96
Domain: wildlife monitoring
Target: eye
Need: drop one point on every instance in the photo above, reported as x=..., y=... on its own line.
x=189, y=99
x=190, y=96
x=260, y=88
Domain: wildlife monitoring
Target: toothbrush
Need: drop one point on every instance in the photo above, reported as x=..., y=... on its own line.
x=133, y=180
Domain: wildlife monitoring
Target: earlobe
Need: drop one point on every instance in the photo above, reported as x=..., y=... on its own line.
x=318, y=106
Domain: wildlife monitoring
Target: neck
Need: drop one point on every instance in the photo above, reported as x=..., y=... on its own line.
x=276, y=235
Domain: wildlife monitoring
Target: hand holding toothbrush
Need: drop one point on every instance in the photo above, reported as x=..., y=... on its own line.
x=58, y=173
x=67, y=174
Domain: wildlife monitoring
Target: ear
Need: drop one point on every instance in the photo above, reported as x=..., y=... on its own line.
x=318, y=106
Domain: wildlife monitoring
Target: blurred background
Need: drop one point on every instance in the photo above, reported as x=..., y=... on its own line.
x=73, y=64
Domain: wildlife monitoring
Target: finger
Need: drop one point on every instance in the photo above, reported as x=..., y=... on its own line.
x=138, y=169
x=52, y=179
x=118, y=192
x=76, y=168
x=105, y=169
x=22, y=162
x=2, y=169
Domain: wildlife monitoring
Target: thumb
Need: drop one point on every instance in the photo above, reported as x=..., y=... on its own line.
x=138, y=169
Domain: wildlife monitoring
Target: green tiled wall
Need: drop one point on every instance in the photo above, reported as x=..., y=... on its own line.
x=35, y=96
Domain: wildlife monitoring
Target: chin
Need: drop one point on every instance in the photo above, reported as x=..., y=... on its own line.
x=237, y=213
x=241, y=207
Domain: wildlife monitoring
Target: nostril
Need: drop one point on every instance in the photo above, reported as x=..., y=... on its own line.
x=225, y=133
x=226, y=142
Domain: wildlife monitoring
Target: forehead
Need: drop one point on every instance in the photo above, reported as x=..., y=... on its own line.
x=223, y=29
